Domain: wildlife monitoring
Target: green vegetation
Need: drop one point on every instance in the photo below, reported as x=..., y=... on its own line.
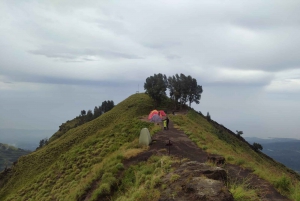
x=216, y=139
x=242, y=191
x=69, y=165
x=142, y=182
x=83, y=118
x=88, y=161
x=257, y=146
x=239, y=133
x=182, y=89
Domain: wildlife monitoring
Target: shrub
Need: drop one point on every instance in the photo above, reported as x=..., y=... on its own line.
x=104, y=189
x=240, y=162
x=174, y=177
x=257, y=146
x=120, y=166
x=230, y=158
x=283, y=184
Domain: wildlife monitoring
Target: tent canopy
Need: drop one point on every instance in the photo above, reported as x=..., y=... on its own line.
x=145, y=138
x=155, y=118
x=161, y=113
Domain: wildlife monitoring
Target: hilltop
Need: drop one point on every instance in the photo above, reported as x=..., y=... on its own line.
x=101, y=160
x=10, y=154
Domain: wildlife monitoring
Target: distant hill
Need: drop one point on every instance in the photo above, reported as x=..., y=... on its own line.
x=24, y=139
x=283, y=150
x=9, y=154
x=269, y=140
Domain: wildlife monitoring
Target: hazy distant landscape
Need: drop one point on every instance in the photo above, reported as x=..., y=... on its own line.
x=283, y=150
x=24, y=139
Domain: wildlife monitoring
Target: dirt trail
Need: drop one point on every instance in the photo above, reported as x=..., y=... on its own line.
x=183, y=147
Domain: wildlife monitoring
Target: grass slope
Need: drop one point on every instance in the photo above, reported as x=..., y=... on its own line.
x=68, y=165
x=85, y=162
x=216, y=139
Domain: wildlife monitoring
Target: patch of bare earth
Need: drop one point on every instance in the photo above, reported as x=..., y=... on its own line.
x=177, y=144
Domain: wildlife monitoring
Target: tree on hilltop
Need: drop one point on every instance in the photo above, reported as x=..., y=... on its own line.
x=195, y=91
x=156, y=87
x=174, y=86
x=184, y=89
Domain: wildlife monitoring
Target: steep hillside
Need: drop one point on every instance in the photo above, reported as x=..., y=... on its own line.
x=217, y=139
x=67, y=166
x=94, y=161
x=9, y=154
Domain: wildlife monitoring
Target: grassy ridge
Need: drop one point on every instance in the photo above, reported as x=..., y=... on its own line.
x=217, y=140
x=85, y=162
x=74, y=158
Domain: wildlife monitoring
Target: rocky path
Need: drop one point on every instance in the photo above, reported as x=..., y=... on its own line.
x=183, y=147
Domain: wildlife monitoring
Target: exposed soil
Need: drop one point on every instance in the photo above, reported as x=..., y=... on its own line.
x=182, y=147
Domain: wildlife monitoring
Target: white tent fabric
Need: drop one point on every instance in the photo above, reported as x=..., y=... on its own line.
x=145, y=137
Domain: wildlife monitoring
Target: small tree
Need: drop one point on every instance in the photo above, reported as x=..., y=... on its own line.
x=208, y=116
x=83, y=112
x=42, y=143
x=97, y=112
x=89, y=116
x=257, y=146
x=239, y=133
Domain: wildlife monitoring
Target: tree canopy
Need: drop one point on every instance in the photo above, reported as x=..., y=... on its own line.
x=182, y=88
x=156, y=86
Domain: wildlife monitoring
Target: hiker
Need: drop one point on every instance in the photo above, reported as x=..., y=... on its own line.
x=167, y=123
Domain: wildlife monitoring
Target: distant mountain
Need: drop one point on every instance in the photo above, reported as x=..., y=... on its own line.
x=24, y=139
x=283, y=150
x=269, y=140
x=9, y=154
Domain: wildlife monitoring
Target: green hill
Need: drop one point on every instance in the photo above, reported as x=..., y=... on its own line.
x=86, y=162
x=9, y=154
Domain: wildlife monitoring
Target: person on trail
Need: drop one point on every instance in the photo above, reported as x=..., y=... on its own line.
x=167, y=122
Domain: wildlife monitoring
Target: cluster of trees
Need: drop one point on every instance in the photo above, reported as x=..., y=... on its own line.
x=83, y=117
x=98, y=111
x=43, y=142
x=182, y=88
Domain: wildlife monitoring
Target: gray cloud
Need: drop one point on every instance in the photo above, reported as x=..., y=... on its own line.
x=67, y=55
x=74, y=54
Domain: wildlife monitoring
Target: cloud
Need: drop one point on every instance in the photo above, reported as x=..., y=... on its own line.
x=285, y=82
x=75, y=54
x=62, y=48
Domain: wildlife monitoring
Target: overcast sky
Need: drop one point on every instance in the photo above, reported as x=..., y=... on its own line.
x=59, y=57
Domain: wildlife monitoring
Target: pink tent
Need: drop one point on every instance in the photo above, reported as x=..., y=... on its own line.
x=162, y=113
x=153, y=112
